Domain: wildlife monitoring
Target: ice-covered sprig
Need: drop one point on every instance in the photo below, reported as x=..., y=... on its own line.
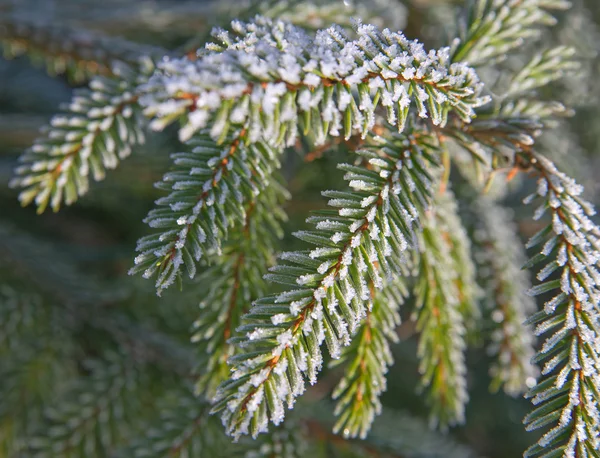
x=550, y=65
x=99, y=127
x=271, y=77
x=499, y=257
x=440, y=322
x=567, y=397
x=520, y=99
x=459, y=248
x=235, y=280
x=78, y=53
x=209, y=188
x=358, y=243
x=315, y=14
x=366, y=363
x=83, y=417
x=489, y=29
x=182, y=429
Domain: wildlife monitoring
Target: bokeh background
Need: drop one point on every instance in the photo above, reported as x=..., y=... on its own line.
x=66, y=298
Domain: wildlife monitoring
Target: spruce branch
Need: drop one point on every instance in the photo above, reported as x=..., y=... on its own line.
x=183, y=429
x=460, y=250
x=78, y=53
x=87, y=419
x=316, y=14
x=19, y=312
x=36, y=352
x=234, y=281
x=288, y=441
x=209, y=188
x=489, y=29
x=396, y=434
x=521, y=99
x=98, y=129
x=439, y=320
x=545, y=67
x=256, y=84
x=367, y=360
x=506, y=304
x=256, y=89
x=270, y=76
x=31, y=376
x=567, y=397
x=47, y=270
x=282, y=334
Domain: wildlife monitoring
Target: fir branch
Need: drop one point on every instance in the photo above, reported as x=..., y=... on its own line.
x=367, y=360
x=567, y=394
x=520, y=98
x=459, y=249
x=84, y=420
x=78, y=300
x=492, y=140
x=233, y=88
x=240, y=101
x=441, y=344
x=399, y=434
x=36, y=349
x=489, y=29
x=550, y=65
x=288, y=441
x=47, y=270
x=499, y=258
x=18, y=313
x=316, y=14
x=209, y=188
x=395, y=434
x=31, y=375
x=235, y=280
x=183, y=429
x=282, y=334
x=567, y=397
x=99, y=128
x=78, y=53
x=270, y=76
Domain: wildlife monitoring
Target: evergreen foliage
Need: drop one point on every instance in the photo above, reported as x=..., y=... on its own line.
x=78, y=54
x=438, y=304
x=415, y=236
x=507, y=304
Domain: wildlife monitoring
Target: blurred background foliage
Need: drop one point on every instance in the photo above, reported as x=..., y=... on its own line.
x=92, y=355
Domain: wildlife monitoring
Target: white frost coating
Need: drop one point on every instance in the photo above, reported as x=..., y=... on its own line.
x=272, y=52
x=81, y=141
x=279, y=318
x=208, y=176
x=572, y=248
x=269, y=59
x=322, y=311
x=507, y=287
